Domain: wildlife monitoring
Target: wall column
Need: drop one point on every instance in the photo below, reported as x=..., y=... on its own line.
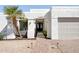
x=54, y=28
x=31, y=29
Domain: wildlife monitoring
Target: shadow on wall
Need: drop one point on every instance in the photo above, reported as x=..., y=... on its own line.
x=6, y=31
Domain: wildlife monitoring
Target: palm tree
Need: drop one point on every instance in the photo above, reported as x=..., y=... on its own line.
x=13, y=13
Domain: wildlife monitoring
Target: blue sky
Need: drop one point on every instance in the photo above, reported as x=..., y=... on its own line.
x=25, y=8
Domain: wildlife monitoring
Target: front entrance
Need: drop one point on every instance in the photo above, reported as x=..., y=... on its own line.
x=39, y=27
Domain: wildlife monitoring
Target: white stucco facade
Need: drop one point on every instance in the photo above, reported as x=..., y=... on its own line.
x=32, y=16
x=60, y=22
x=31, y=28
x=65, y=29
x=6, y=28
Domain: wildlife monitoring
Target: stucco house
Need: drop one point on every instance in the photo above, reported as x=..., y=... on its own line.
x=60, y=22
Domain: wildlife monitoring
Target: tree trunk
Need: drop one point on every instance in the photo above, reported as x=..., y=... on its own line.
x=15, y=25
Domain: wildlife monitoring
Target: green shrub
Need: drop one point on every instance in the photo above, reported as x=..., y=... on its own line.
x=22, y=24
x=45, y=33
x=1, y=36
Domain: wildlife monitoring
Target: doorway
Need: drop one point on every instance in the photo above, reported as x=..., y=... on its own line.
x=39, y=28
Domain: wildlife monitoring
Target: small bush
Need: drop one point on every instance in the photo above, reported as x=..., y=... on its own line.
x=23, y=24
x=1, y=36
x=45, y=33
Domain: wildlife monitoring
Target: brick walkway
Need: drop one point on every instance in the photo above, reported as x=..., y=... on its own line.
x=39, y=46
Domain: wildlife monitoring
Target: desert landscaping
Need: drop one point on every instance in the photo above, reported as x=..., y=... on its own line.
x=39, y=45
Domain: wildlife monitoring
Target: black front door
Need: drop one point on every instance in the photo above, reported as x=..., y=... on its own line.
x=39, y=27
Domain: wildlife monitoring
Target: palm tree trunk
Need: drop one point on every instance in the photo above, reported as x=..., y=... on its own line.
x=15, y=25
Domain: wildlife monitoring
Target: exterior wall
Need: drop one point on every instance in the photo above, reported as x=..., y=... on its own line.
x=54, y=28
x=65, y=12
x=44, y=11
x=3, y=26
x=60, y=11
x=10, y=31
x=33, y=15
x=3, y=22
x=6, y=28
x=31, y=28
x=47, y=23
